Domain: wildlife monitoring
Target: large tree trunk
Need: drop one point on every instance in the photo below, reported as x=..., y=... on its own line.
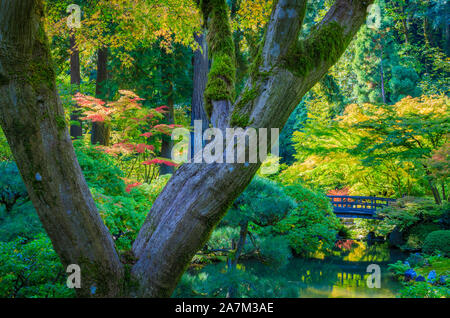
x=76, y=128
x=200, y=78
x=198, y=195
x=32, y=118
x=100, y=130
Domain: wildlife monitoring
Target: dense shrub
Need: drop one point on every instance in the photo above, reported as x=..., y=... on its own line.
x=312, y=224
x=416, y=235
x=31, y=269
x=423, y=276
x=408, y=211
x=124, y=214
x=437, y=241
x=21, y=222
x=99, y=169
x=264, y=202
x=275, y=251
x=12, y=188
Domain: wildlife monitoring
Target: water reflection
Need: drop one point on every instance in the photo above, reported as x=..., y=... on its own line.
x=342, y=274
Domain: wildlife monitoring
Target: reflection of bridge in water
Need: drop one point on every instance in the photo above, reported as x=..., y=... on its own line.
x=345, y=206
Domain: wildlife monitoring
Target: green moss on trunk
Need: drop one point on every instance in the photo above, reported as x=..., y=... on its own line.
x=221, y=78
x=324, y=45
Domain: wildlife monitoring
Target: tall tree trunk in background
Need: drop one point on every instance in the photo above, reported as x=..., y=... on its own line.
x=76, y=128
x=383, y=93
x=198, y=195
x=426, y=35
x=433, y=187
x=100, y=130
x=32, y=118
x=200, y=62
x=404, y=25
x=169, y=117
x=435, y=191
x=446, y=35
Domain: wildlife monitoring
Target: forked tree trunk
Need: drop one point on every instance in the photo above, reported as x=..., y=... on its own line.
x=198, y=195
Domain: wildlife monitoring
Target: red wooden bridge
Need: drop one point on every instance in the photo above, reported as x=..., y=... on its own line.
x=346, y=206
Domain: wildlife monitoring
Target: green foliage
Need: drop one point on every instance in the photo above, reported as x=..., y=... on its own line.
x=124, y=214
x=275, y=251
x=312, y=225
x=99, y=169
x=263, y=202
x=242, y=120
x=22, y=222
x=403, y=83
x=424, y=290
x=294, y=123
x=5, y=151
x=12, y=187
x=438, y=241
x=406, y=212
x=326, y=43
x=423, y=265
x=416, y=235
x=31, y=269
x=222, y=237
x=374, y=150
x=398, y=269
x=222, y=76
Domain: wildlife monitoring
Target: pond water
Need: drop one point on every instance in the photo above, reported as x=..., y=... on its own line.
x=343, y=274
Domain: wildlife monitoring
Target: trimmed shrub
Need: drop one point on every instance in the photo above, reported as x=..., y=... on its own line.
x=437, y=241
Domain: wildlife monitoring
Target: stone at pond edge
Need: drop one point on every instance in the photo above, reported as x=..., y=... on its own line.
x=396, y=238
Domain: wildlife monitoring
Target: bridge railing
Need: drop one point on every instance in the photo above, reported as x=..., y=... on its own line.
x=345, y=203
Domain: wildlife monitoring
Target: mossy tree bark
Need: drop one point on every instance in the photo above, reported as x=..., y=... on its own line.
x=32, y=118
x=198, y=195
